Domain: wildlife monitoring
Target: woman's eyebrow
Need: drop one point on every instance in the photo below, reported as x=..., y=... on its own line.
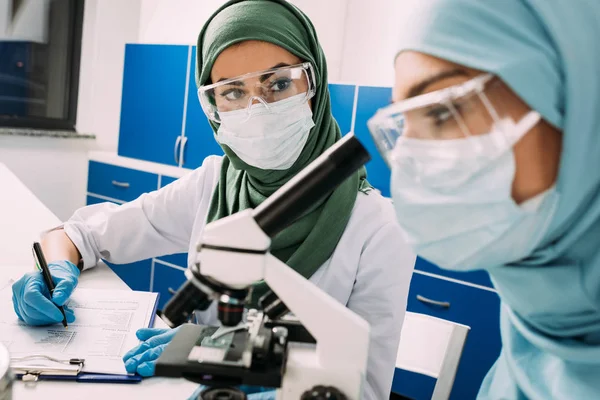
x=419, y=88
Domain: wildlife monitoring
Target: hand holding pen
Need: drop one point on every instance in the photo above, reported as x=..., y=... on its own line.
x=38, y=303
x=40, y=262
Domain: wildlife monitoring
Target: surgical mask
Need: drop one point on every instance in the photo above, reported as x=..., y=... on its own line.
x=271, y=137
x=454, y=203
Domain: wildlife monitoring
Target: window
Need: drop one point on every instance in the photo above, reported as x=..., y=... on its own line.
x=40, y=47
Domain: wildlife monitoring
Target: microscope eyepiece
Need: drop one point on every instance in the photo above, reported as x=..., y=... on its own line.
x=180, y=307
x=198, y=294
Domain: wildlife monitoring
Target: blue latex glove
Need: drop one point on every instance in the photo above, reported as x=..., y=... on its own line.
x=31, y=297
x=253, y=392
x=142, y=358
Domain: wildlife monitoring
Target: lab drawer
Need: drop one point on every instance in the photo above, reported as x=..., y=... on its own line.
x=118, y=182
x=136, y=275
x=477, y=277
x=342, y=105
x=96, y=200
x=165, y=180
x=166, y=278
x=179, y=259
x=477, y=308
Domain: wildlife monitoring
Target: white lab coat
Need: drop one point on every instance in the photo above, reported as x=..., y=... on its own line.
x=369, y=271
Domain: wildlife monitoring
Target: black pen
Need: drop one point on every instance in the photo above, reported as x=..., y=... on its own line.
x=40, y=262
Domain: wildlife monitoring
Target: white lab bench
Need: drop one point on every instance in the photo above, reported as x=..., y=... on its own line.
x=22, y=218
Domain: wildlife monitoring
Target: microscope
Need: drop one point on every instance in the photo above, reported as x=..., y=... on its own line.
x=300, y=340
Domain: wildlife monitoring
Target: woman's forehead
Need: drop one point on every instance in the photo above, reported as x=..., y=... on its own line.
x=418, y=73
x=250, y=56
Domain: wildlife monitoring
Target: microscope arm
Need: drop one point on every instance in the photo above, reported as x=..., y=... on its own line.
x=342, y=337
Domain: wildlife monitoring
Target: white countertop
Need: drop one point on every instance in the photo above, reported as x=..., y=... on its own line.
x=22, y=218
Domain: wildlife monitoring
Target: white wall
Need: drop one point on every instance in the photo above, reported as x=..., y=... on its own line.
x=174, y=21
x=55, y=170
x=370, y=39
x=108, y=25
x=180, y=21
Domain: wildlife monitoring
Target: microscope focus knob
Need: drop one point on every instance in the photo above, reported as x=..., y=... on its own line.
x=323, y=393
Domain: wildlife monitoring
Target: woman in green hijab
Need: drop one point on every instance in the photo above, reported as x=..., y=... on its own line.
x=262, y=81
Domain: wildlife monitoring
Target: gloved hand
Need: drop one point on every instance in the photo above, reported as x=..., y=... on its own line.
x=142, y=358
x=31, y=297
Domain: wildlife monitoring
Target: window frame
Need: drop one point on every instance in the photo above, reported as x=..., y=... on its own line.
x=76, y=10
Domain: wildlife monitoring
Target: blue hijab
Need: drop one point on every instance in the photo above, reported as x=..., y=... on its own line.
x=548, y=52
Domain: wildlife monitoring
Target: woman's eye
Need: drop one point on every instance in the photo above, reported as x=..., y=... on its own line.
x=441, y=114
x=280, y=85
x=233, y=94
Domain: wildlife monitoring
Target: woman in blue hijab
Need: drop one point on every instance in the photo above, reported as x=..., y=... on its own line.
x=494, y=144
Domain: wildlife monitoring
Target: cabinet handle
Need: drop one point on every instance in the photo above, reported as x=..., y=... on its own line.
x=443, y=304
x=183, y=143
x=120, y=184
x=176, y=151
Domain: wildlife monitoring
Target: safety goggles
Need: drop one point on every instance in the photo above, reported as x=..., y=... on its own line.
x=457, y=112
x=265, y=87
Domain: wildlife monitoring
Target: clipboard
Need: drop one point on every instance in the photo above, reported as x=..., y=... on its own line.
x=34, y=368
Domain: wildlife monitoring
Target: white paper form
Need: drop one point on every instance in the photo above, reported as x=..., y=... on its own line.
x=104, y=329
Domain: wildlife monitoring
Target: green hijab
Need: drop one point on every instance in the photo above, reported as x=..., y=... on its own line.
x=311, y=240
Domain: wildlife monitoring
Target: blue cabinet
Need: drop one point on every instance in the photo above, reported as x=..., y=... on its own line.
x=152, y=103
x=370, y=99
x=470, y=306
x=165, y=278
x=119, y=183
x=342, y=105
x=136, y=275
x=199, y=141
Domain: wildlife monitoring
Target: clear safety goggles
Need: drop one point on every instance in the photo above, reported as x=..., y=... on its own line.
x=266, y=87
x=457, y=112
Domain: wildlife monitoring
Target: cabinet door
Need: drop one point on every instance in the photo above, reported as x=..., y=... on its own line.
x=136, y=275
x=370, y=99
x=199, y=138
x=342, y=105
x=119, y=183
x=480, y=310
x=166, y=278
x=154, y=79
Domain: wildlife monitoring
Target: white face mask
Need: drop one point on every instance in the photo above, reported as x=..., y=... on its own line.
x=272, y=138
x=453, y=199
